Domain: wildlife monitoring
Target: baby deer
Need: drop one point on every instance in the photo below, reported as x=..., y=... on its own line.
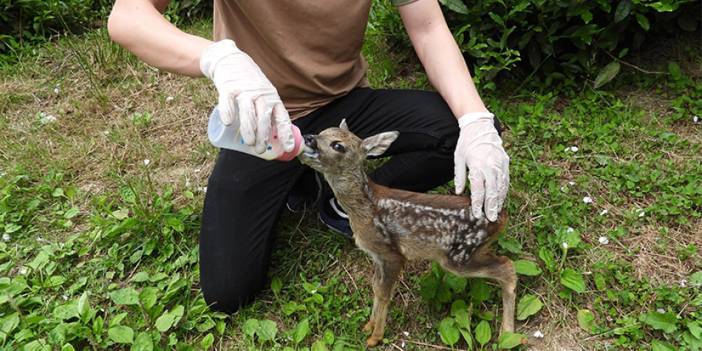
x=394, y=226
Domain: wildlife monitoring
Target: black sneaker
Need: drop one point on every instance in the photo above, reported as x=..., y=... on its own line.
x=331, y=214
x=305, y=193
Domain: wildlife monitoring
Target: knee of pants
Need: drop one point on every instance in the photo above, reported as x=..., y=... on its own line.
x=226, y=297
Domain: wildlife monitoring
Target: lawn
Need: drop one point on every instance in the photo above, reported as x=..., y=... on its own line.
x=104, y=163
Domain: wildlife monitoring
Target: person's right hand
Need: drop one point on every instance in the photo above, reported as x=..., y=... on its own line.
x=246, y=96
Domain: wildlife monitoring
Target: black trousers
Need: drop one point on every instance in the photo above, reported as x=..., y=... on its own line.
x=245, y=194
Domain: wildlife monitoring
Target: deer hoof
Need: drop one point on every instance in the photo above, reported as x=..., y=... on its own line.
x=369, y=326
x=373, y=341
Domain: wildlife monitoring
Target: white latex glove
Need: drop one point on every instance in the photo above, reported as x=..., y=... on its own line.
x=480, y=149
x=246, y=96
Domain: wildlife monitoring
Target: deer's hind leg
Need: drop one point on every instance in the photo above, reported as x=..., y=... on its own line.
x=387, y=270
x=485, y=264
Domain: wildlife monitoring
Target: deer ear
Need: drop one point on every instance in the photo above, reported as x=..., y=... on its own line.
x=343, y=125
x=376, y=145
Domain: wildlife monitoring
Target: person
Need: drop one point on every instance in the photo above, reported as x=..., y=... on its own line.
x=274, y=62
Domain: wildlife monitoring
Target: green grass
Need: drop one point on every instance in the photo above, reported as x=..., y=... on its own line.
x=100, y=246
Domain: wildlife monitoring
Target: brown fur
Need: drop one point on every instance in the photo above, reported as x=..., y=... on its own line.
x=394, y=226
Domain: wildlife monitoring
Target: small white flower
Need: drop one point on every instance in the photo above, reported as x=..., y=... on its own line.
x=571, y=183
x=603, y=212
x=696, y=119
x=6, y=237
x=105, y=132
x=641, y=213
x=64, y=297
x=571, y=149
x=660, y=310
x=405, y=333
x=56, y=90
x=169, y=98
x=46, y=119
x=23, y=271
x=683, y=283
x=402, y=344
x=587, y=200
x=538, y=334
x=565, y=245
x=146, y=162
x=570, y=230
x=603, y=240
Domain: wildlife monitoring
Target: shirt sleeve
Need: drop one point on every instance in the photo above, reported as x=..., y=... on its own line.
x=399, y=3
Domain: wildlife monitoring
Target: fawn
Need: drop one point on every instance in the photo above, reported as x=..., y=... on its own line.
x=394, y=226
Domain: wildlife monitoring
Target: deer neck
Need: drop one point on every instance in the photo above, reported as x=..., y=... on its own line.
x=353, y=193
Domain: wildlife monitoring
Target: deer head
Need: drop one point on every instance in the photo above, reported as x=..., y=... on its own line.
x=337, y=151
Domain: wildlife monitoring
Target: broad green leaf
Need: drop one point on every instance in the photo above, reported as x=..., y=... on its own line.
x=643, y=21
x=695, y=329
x=67, y=347
x=169, y=318
x=276, y=285
x=623, y=10
x=83, y=305
x=696, y=279
x=66, y=311
x=207, y=341
x=71, y=212
x=456, y=283
x=658, y=345
x=528, y=305
x=140, y=277
x=455, y=5
x=573, y=280
x=510, y=244
x=547, y=257
x=607, y=74
x=675, y=71
x=319, y=345
x=301, y=331
x=448, y=331
x=126, y=296
x=586, y=320
x=509, y=340
x=467, y=337
x=121, y=334
x=251, y=327
x=148, y=297
x=328, y=337
x=267, y=330
x=459, y=311
x=482, y=333
x=525, y=267
x=660, y=321
x=143, y=342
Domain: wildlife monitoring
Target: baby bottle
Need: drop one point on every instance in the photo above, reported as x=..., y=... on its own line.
x=228, y=137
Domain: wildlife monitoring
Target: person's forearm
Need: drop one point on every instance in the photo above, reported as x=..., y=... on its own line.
x=442, y=60
x=138, y=26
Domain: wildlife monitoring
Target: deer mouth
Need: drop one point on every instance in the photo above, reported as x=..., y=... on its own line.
x=310, y=152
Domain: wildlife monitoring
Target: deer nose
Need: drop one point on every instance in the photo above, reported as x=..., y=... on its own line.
x=310, y=141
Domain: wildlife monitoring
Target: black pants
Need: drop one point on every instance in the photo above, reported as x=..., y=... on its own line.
x=245, y=195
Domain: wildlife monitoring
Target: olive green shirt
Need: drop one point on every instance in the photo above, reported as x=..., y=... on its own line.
x=309, y=49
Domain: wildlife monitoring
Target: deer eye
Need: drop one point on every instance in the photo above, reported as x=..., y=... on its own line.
x=337, y=146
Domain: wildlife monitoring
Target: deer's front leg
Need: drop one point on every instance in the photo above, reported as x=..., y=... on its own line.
x=386, y=273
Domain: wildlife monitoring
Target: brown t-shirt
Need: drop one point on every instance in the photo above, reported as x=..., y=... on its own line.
x=309, y=49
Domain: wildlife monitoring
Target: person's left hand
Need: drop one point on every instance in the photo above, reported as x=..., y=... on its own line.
x=480, y=149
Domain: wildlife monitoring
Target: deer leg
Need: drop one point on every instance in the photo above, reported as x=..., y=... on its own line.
x=501, y=269
x=387, y=271
x=377, y=275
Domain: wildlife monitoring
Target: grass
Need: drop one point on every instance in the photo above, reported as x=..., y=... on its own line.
x=100, y=214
